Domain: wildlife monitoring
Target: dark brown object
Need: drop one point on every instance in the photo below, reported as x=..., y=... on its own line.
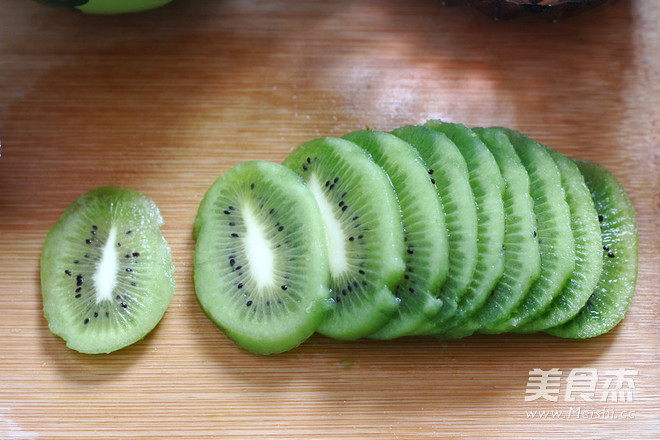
x=547, y=9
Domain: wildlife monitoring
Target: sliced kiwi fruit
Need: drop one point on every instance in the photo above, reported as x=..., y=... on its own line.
x=556, y=243
x=106, y=271
x=425, y=233
x=261, y=264
x=364, y=234
x=448, y=171
x=612, y=296
x=522, y=262
x=487, y=188
x=588, y=250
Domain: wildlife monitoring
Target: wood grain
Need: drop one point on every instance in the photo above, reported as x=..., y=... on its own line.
x=165, y=101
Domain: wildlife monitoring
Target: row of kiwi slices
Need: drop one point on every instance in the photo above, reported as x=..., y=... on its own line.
x=434, y=230
x=437, y=230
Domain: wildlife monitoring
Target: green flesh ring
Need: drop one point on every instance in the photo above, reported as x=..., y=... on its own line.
x=613, y=294
x=487, y=187
x=424, y=228
x=588, y=250
x=364, y=234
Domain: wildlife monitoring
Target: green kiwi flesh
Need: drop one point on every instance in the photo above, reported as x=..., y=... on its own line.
x=364, y=234
x=522, y=262
x=487, y=188
x=588, y=250
x=106, y=271
x=556, y=243
x=613, y=294
x=261, y=265
x=425, y=233
x=449, y=173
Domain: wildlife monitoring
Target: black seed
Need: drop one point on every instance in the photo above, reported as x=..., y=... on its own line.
x=351, y=238
x=406, y=276
x=79, y=295
x=76, y=261
x=267, y=303
x=86, y=255
x=128, y=269
x=88, y=241
x=238, y=268
x=336, y=180
x=278, y=245
x=284, y=287
x=600, y=218
x=281, y=228
x=355, y=284
x=534, y=234
x=68, y=272
x=360, y=237
x=410, y=251
x=350, y=289
x=343, y=208
x=364, y=283
x=252, y=186
x=93, y=232
x=127, y=256
x=610, y=254
x=240, y=285
x=79, y=280
x=337, y=299
x=432, y=180
x=133, y=284
x=86, y=320
x=279, y=301
x=606, y=248
x=232, y=262
x=231, y=208
x=123, y=304
x=119, y=244
x=361, y=272
x=227, y=212
x=431, y=171
x=118, y=296
x=78, y=289
x=234, y=234
x=128, y=232
x=232, y=224
x=304, y=167
x=331, y=187
x=411, y=290
x=96, y=314
x=136, y=254
x=355, y=218
x=95, y=227
x=343, y=195
x=309, y=160
x=272, y=210
x=249, y=303
x=341, y=203
x=343, y=292
x=107, y=315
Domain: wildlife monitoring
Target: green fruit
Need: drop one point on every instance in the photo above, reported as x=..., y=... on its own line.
x=106, y=6
x=425, y=233
x=364, y=234
x=106, y=271
x=261, y=267
x=611, y=298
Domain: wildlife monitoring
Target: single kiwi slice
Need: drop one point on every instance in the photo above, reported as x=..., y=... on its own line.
x=261, y=267
x=522, y=262
x=588, y=250
x=106, y=271
x=425, y=233
x=448, y=171
x=556, y=243
x=487, y=187
x=611, y=298
x=364, y=234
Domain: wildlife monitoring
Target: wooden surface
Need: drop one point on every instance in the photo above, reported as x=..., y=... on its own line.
x=165, y=101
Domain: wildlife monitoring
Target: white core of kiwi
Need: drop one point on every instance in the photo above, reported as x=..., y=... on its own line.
x=259, y=249
x=105, y=276
x=334, y=231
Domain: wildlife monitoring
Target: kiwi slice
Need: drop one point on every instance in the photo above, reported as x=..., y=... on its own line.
x=588, y=250
x=106, y=271
x=487, y=187
x=425, y=233
x=261, y=266
x=556, y=243
x=611, y=298
x=364, y=234
x=448, y=171
x=522, y=262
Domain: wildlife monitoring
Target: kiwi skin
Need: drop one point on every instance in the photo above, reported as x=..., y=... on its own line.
x=143, y=213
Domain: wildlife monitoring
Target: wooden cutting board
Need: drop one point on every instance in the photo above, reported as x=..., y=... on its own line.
x=163, y=102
